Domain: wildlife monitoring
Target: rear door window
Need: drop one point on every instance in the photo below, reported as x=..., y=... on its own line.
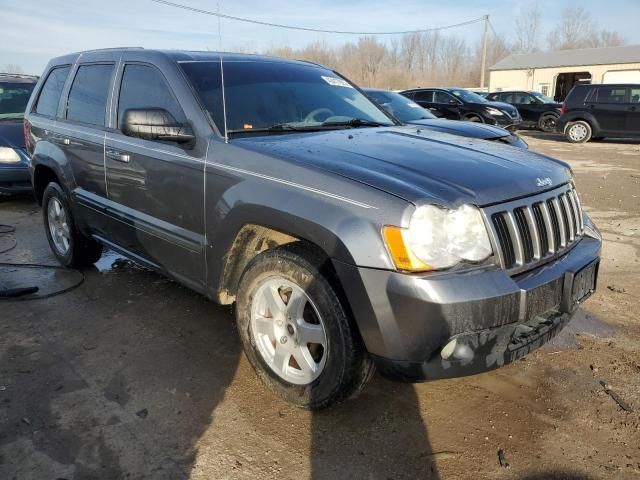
x=611, y=95
x=87, y=101
x=144, y=87
x=522, y=98
x=506, y=97
x=635, y=95
x=51, y=91
x=443, y=97
x=424, y=96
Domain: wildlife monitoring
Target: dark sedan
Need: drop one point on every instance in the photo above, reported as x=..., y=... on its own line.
x=410, y=112
x=461, y=104
x=15, y=91
x=537, y=110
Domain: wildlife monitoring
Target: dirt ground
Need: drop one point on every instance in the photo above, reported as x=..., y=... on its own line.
x=132, y=376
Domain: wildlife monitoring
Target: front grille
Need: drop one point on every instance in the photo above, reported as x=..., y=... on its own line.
x=533, y=230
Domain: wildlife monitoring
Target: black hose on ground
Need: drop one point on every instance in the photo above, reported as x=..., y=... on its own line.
x=27, y=292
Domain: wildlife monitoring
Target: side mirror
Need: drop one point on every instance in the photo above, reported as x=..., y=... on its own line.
x=155, y=124
x=453, y=101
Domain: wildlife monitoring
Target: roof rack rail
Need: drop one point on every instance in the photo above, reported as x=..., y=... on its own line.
x=110, y=49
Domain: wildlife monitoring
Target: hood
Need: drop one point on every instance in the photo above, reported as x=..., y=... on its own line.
x=446, y=169
x=11, y=134
x=467, y=129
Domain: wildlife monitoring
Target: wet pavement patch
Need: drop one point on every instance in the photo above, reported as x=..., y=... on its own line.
x=582, y=323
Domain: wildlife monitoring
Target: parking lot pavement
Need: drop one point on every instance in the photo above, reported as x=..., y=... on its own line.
x=132, y=376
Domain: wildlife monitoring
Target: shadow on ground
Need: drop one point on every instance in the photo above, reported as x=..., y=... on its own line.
x=559, y=137
x=121, y=378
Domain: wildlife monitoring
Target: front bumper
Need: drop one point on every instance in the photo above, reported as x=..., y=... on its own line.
x=406, y=320
x=506, y=121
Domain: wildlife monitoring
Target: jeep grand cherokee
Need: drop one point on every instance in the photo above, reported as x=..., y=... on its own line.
x=343, y=239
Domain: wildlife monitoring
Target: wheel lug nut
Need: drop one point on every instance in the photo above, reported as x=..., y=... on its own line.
x=283, y=339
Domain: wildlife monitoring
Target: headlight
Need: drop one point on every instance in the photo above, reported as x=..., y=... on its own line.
x=9, y=155
x=493, y=111
x=439, y=238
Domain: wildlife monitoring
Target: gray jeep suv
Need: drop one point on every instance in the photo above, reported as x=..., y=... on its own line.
x=344, y=239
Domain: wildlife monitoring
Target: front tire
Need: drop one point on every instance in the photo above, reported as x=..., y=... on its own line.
x=68, y=244
x=474, y=119
x=296, y=332
x=578, y=132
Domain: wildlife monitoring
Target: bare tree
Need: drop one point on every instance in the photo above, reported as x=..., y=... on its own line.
x=452, y=58
x=12, y=68
x=528, y=29
x=371, y=53
x=606, y=38
x=573, y=30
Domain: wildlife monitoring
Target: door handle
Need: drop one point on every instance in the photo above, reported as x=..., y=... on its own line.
x=632, y=108
x=118, y=156
x=66, y=141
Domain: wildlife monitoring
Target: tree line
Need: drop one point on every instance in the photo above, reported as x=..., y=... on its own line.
x=436, y=58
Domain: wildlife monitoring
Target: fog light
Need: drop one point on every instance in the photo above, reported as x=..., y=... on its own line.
x=455, y=350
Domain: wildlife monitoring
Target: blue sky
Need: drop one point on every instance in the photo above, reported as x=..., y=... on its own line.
x=34, y=31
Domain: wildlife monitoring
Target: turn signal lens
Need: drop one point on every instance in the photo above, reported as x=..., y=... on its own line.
x=403, y=258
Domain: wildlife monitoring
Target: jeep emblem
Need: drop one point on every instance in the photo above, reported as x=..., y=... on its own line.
x=544, y=182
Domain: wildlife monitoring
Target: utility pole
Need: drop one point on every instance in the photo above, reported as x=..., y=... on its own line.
x=484, y=50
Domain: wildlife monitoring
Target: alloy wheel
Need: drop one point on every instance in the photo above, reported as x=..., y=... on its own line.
x=58, y=226
x=288, y=331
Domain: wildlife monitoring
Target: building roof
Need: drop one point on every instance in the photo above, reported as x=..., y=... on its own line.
x=568, y=58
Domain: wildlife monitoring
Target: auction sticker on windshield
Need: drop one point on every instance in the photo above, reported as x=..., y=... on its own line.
x=336, y=82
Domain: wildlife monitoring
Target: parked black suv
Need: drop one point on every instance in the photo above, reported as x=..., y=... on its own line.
x=15, y=91
x=537, y=110
x=461, y=104
x=598, y=111
x=344, y=238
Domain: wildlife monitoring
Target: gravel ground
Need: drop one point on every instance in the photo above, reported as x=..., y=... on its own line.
x=132, y=376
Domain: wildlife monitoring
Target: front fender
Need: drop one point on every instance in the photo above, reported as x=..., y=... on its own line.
x=342, y=217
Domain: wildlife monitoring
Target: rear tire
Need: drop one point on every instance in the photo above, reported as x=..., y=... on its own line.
x=578, y=132
x=547, y=123
x=275, y=337
x=68, y=244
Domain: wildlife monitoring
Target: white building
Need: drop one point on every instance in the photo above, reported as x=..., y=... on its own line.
x=554, y=73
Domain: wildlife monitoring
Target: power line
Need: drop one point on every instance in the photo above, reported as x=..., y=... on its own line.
x=493, y=29
x=317, y=30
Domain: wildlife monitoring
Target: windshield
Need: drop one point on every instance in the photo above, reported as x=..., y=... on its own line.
x=280, y=96
x=14, y=98
x=467, y=96
x=399, y=106
x=543, y=98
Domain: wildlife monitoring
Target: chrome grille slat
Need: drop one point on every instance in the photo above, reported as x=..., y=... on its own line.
x=561, y=224
x=572, y=213
x=535, y=229
x=547, y=221
x=577, y=199
x=535, y=235
x=569, y=217
x=515, y=237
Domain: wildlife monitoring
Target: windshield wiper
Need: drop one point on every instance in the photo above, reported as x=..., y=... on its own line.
x=355, y=123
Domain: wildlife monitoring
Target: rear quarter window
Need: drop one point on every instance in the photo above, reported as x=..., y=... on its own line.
x=51, y=91
x=610, y=95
